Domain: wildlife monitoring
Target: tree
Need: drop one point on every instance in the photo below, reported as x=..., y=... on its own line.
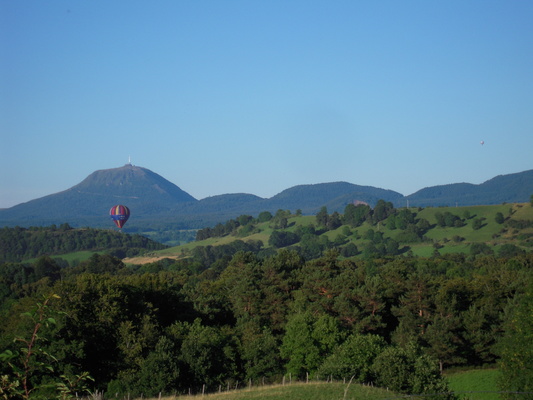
x=408, y=370
x=260, y=351
x=46, y=267
x=509, y=250
x=334, y=221
x=479, y=333
x=516, y=348
x=354, y=357
x=499, y=218
x=209, y=354
x=322, y=217
x=382, y=210
x=477, y=223
x=280, y=239
x=480, y=248
x=349, y=250
x=160, y=371
x=264, y=216
x=298, y=346
x=443, y=339
x=356, y=215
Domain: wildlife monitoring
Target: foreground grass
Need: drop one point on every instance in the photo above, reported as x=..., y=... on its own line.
x=475, y=384
x=297, y=391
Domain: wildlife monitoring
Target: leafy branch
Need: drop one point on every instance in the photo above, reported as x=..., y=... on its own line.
x=33, y=361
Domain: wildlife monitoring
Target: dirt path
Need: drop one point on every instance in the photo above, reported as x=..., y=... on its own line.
x=146, y=259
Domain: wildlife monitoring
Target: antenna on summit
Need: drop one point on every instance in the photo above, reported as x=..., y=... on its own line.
x=129, y=161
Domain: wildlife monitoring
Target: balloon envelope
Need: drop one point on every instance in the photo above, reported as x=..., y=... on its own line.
x=119, y=214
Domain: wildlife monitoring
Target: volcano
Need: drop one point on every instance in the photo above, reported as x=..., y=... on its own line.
x=87, y=203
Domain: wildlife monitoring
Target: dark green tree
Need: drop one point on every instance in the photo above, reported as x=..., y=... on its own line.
x=354, y=357
x=408, y=370
x=280, y=239
x=322, y=217
x=260, y=351
x=480, y=248
x=477, y=223
x=209, y=354
x=160, y=371
x=298, y=347
x=382, y=210
x=356, y=215
x=509, y=250
x=516, y=348
x=334, y=221
x=264, y=216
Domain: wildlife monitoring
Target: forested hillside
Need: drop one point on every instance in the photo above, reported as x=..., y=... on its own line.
x=17, y=244
x=362, y=232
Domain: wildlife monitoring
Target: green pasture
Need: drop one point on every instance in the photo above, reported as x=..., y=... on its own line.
x=477, y=384
x=297, y=391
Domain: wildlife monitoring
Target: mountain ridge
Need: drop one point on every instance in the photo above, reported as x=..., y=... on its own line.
x=155, y=200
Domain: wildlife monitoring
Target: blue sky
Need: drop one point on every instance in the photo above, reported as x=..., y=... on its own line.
x=259, y=96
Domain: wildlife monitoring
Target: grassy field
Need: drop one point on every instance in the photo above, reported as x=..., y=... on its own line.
x=475, y=384
x=297, y=391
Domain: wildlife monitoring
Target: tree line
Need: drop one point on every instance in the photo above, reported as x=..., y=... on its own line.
x=18, y=243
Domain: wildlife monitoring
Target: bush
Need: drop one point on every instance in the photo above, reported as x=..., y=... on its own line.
x=408, y=370
x=354, y=358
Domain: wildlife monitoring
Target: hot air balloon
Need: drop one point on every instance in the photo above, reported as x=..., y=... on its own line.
x=119, y=214
x=482, y=142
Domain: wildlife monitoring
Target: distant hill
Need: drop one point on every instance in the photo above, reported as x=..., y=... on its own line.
x=335, y=196
x=307, y=198
x=158, y=204
x=512, y=188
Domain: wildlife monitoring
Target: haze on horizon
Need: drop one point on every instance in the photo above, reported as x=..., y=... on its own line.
x=256, y=97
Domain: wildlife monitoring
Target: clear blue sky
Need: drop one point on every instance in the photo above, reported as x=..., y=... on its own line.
x=259, y=96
